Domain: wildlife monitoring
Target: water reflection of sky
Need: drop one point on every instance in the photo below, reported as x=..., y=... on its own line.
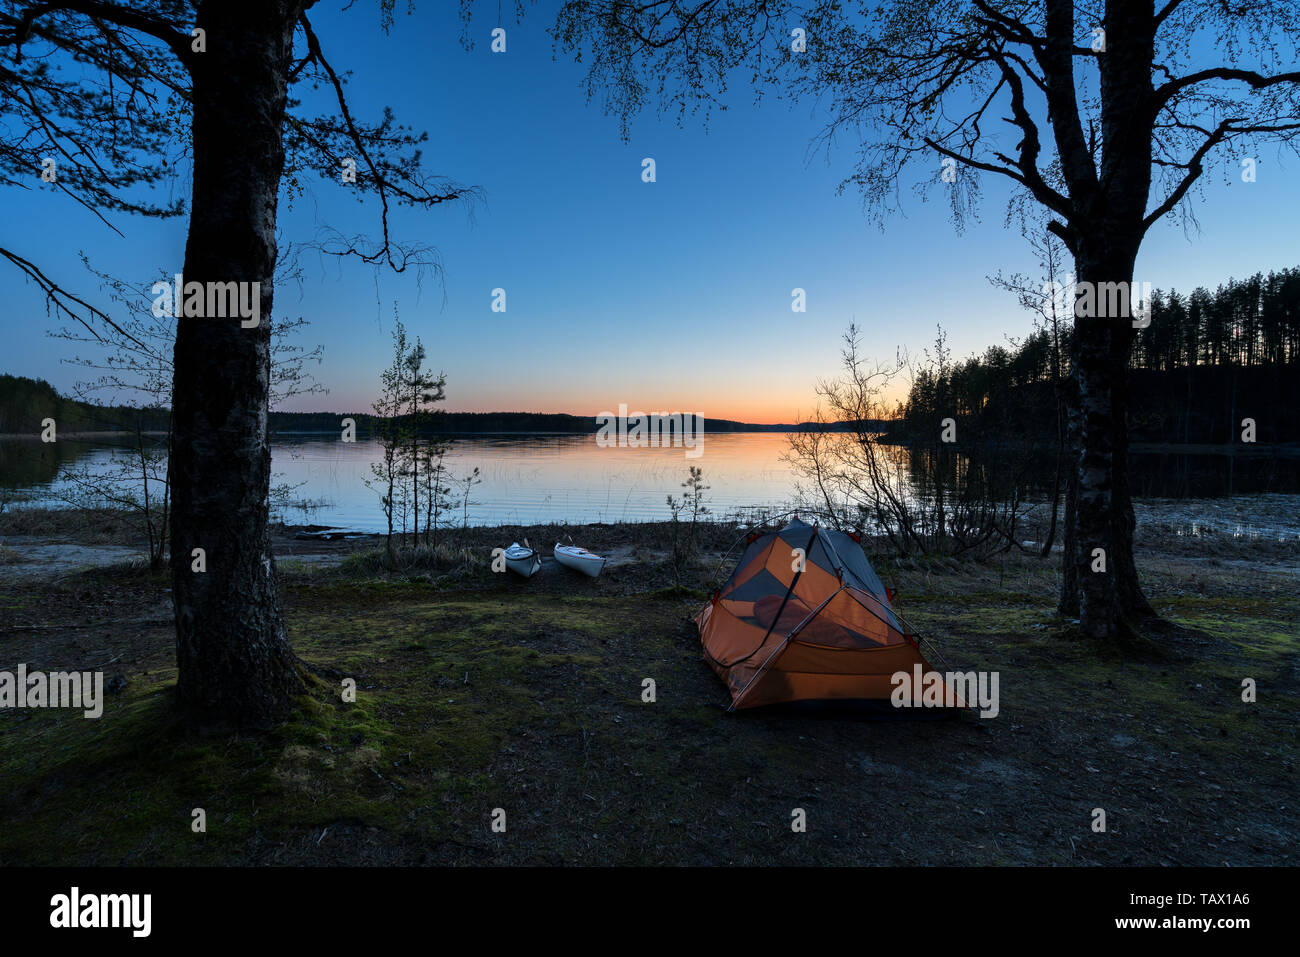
x=568, y=478
x=531, y=479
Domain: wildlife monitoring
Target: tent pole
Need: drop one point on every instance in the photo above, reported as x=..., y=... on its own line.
x=784, y=601
x=797, y=628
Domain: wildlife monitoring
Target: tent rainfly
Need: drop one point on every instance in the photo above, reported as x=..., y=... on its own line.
x=804, y=617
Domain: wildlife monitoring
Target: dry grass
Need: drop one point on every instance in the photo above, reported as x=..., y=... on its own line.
x=86, y=526
x=442, y=558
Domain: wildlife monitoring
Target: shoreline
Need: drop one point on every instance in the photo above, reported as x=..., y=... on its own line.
x=1259, y=534
x=1281, y=450
x=77, y=436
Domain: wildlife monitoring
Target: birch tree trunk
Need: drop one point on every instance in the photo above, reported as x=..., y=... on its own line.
x=1105, y=237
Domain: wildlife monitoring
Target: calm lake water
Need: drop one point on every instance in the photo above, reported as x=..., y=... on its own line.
x=525, y=479
x=529, y=479
x=548, y=478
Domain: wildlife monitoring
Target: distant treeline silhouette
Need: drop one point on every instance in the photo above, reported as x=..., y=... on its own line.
x=439, y=421
x=25, y=402
x=1206, y=361
x=470, y=423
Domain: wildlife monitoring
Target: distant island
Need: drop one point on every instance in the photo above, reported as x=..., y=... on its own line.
x=489, y=423
x=25, y=402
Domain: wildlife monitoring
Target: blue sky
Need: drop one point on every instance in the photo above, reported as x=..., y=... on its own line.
x=670, y=295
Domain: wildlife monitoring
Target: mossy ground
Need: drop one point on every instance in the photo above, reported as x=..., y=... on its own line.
x=527, y=696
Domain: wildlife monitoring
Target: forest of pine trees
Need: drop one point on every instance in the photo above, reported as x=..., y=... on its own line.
x=1207, y=360
x=25, y=403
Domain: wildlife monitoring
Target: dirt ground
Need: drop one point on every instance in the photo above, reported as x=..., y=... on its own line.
x=482, y=695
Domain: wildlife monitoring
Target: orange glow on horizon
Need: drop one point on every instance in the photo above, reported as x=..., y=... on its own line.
x=758, y=409
x=766, y=414
x=769, y=410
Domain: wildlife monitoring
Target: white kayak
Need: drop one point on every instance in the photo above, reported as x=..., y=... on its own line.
x=579, y=559
x=522, y=560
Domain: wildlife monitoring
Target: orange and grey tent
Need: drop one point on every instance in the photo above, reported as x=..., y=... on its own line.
x=804, y=617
